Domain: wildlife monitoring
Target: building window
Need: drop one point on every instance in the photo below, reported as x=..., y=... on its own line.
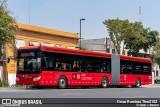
x=20, y=43
x=70, y=47
x=46, y=44
x=59, y=45
x=33, y=43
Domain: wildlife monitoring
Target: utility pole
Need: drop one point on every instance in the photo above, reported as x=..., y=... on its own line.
x=29, y=14
x=80, y=32
x=140, y=13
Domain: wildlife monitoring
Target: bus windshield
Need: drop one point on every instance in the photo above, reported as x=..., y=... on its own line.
x=28, y=63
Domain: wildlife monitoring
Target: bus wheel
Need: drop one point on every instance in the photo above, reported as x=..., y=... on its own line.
x=138, y=82
x=104, y=83
x=62, y=82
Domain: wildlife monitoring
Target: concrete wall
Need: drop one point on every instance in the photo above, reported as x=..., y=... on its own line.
x=11, y=79
x=102, y=44
x=94, y=44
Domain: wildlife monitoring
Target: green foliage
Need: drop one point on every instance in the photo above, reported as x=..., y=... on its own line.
x=120, y=30
x=156, y=52
x=15, y=85
x=149, y=38
x=8, y=25
x=0, y=83
x=134, y=35
x=4, y=83
x=157, y=82
x=115, y=29
x=133, y=39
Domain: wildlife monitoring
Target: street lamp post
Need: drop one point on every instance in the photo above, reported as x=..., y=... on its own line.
x=80, y=32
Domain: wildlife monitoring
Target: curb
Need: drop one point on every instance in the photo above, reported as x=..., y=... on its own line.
x=150, y=85
x=147, y=85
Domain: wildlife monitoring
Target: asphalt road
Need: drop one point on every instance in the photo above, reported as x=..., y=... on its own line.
x=129, y=92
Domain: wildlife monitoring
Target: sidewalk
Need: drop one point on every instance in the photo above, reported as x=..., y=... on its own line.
x=151, y=85
x=12, y=88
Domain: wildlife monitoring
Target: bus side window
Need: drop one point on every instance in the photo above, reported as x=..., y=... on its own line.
x=103, y=69
x=48, y=63
x=89, y=68
x=80, y=69
x=123, y=69
x=59, y=67
x=105, y=65
x=67, y=68
x=76, y=69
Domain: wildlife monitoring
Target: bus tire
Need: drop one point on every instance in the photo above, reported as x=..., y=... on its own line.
x=138, y=83
x=62, y=82
x=104, y=83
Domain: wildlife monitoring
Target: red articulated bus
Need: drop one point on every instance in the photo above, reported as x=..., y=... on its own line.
x=62, y=67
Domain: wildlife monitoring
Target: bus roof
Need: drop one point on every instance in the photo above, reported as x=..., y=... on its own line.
x=138, y=59
x=84, y=52
x=29, y=47
x=76, y=51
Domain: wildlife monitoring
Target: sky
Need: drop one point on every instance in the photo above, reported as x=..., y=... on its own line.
x=65, y=15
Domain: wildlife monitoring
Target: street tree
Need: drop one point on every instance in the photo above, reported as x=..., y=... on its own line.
x=133, y=34
x=115, y=29
x=123, y=30
x=132, y=38
x=156, y=52
x=8, y=26
x=150, y=38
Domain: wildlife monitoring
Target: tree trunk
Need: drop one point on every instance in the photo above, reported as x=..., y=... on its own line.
x=4, y=74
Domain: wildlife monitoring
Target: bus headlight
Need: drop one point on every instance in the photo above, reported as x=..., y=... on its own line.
x=17, y=79
x=37, y=78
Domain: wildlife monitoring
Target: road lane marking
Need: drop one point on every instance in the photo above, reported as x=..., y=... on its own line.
x=153, y=87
